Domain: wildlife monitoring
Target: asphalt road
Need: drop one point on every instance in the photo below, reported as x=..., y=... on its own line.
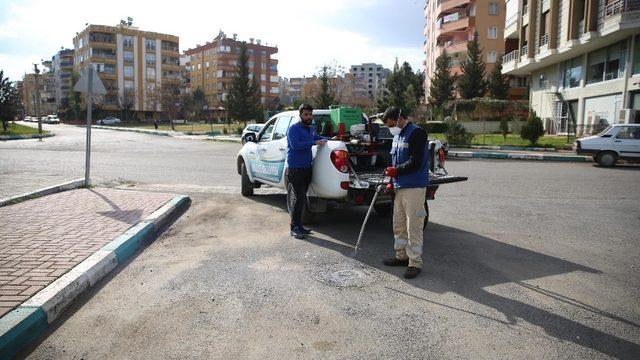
x=525, y=260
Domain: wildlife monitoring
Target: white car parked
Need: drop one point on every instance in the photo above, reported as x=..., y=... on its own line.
x=51, y=119
x=619, y=141
x=346, y=172
x=109, y=121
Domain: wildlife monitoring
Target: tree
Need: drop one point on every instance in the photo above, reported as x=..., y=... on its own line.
x=74, y=111
x=243, y=100
x=126, y=102
x=532, y=129
x=395, y=92
x=199, y=102
x=498, y=84
x=442, y=84
x=325, y=98
x=170, y=99
x=472, y=83
x=504, y=127
x=8, y=101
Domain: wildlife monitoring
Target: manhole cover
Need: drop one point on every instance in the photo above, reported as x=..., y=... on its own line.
x=346, y=275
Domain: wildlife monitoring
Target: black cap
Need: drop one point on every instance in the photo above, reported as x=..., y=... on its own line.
x=393, y=113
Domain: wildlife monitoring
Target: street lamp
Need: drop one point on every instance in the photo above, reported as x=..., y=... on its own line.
x=37, y=72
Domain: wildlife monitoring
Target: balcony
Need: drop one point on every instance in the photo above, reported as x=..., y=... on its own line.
x=512, y=56
x=544, y=40
x=453, y=46
x=524, y=51
x=460, y=24
x=451, y=6
x=525, y=10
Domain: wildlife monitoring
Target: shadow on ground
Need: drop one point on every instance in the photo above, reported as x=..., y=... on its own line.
x=466, y=263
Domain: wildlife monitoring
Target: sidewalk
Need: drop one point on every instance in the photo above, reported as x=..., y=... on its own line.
x=44, y=238
x=560, y=155
x=176, y=134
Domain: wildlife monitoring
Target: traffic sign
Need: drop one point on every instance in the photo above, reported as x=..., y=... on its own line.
x=97, y=87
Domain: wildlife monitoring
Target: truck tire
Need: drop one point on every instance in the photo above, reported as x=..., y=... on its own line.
x=247, y=186
x=307, y=215
x=606, y=158
x=384, y=210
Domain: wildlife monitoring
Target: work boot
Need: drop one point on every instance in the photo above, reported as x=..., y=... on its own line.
x=297, y=233
x=395, y=262
x=305, y=231
x=411, y=272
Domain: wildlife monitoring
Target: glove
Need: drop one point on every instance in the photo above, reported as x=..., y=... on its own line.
x=389, y=188
x=391, y=172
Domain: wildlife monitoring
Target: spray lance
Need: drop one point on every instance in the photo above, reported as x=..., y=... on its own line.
x=379, y=190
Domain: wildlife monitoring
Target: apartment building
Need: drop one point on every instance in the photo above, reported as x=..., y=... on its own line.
x=370, y=79
x=46, y=84
x=450, y=25
x=583, y=58
x=133, y=64
x=212, y=67
x=62, y=64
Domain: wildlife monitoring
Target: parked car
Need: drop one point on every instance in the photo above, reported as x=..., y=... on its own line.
x=345, y=172
x=619, y=141
x=51, y=119
x=110, y=120
x=251, y=128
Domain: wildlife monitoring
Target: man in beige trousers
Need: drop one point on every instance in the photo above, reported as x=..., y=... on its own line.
x=410, y=174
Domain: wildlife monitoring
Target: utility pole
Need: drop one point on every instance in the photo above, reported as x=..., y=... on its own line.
x=37, y=72
x=87, y=182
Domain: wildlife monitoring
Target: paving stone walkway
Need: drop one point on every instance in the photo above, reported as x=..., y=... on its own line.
x=42, y=239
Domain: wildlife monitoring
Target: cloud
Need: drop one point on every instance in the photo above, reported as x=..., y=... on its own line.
x=302, y=30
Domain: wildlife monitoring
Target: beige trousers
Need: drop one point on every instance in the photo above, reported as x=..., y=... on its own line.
x=408, y=221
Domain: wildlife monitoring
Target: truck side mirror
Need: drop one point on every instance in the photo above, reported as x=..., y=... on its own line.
x=249, y=137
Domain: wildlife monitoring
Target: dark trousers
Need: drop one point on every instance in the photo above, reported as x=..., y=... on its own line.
x=299, y=179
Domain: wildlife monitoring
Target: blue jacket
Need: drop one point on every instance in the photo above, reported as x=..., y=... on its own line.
x=300, y=139
x=411, y=174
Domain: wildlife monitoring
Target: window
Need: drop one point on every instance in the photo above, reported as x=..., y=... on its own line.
x=199, y=66
x=636, y=56
x=151, y=73
x=491, y=57
x=266, y=135
x=492, y=32
x=571, y=72
x=127, y=41
x=252, y=64
x=493, y=8
x=150, y=58
x=263, y=77
x=128, y=71
x=128, y=84
x=281, y=128
x=629, y=133
x=607, y=63
x=127, y=56
x=263, y=88
x=206, y=65
x=150, y=44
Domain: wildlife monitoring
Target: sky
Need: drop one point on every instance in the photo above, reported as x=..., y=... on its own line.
x=308, y=33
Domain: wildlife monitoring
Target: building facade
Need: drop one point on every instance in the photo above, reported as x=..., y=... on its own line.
x=583, y=58
x=212, y=67
x=371, y=79
x=62, y=64
x=450, y=25
x=133, y=64
x=46, y=85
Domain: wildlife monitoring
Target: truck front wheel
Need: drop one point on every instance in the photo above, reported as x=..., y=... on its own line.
x=246, y=187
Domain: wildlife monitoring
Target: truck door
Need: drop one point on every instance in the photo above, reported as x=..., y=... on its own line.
x=272, y=152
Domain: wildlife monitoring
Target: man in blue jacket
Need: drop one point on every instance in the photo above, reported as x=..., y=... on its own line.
x=300, y=139
x=410, y=174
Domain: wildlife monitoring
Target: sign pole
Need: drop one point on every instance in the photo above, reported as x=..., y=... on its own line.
x=87, y=168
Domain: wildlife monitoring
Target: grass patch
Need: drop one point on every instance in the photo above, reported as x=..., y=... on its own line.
x=17, y=129
x=550, y=141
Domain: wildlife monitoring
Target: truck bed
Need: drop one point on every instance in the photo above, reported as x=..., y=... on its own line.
x=375, y=179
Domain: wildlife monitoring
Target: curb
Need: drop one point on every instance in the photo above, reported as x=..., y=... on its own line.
x=74, y=184
x=24, y=137
x=508, y=156
x=28, y=321
x=501, y=147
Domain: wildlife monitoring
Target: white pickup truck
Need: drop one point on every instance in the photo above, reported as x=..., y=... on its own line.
x=345, y=171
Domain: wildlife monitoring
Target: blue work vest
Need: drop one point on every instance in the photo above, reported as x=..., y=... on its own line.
x=400, y=155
